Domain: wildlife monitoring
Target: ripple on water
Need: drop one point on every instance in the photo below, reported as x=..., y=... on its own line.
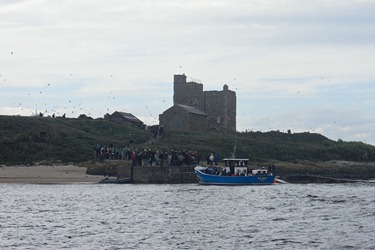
x=187, y=216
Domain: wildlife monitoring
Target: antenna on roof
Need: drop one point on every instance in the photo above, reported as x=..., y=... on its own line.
x=194, y=79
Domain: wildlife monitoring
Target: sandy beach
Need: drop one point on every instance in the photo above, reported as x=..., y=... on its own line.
x=43, y=174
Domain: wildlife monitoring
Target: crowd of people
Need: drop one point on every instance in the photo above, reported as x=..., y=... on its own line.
x=151, y=158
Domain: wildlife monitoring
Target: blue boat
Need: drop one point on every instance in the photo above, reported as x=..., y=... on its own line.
x=235, y=172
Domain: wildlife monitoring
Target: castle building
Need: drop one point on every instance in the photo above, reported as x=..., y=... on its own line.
x=195, y=109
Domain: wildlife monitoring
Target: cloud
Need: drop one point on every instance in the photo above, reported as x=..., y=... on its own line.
x=287, y=60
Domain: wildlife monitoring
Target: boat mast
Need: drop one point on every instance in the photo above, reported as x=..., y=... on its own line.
x=235, y=146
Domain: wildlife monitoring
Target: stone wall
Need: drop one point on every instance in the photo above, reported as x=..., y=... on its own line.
x=159, y=175
x=172, y=119
x=198, y=122
x=178, y=119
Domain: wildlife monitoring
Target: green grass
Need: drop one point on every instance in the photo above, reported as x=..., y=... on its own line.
x=25, y=140
x=67, y=140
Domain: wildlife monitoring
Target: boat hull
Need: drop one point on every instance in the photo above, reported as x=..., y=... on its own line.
x=208, y=179
x=116, y=181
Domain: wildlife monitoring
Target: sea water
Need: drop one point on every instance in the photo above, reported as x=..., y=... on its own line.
x=94, y=216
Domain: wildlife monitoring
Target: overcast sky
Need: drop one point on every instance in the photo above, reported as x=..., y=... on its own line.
x=307, y=66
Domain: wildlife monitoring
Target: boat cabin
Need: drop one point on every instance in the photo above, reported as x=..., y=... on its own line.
x=235, y=165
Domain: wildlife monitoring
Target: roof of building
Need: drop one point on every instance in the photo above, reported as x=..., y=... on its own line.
x=130, y=117
x=192, y=110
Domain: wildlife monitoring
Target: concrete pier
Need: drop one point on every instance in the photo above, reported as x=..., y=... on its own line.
x=159, y=175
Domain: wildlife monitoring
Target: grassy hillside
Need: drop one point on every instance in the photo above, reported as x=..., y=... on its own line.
x=24, y=140
x=258, y=146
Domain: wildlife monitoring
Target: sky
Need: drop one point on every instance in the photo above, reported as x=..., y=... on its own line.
x=304, y=66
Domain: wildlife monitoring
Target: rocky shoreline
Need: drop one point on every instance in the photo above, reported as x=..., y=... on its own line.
x=330, y=171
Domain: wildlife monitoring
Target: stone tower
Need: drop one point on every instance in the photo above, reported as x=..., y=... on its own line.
x=188, y=93
x=220, y=106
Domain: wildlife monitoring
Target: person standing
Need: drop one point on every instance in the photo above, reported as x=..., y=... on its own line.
x=216, y=159
x=211, y=159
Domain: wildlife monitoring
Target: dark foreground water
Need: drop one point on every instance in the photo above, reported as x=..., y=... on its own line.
x=93, y=216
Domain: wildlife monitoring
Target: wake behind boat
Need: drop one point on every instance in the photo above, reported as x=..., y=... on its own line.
x=235, y=172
